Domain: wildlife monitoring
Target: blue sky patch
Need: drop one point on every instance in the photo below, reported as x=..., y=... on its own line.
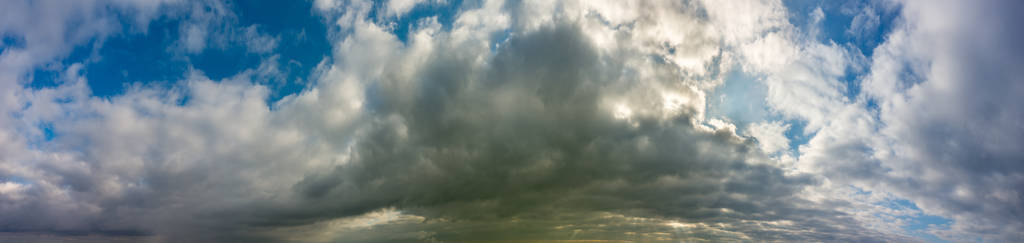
x=149, y=57
x=918, y=223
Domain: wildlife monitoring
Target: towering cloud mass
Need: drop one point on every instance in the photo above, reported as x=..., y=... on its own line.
x=642, y=121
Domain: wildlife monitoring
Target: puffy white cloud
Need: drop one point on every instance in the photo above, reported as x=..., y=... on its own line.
x=397, y=8
x=946, y=115
x=930, y=124
x=770, y=136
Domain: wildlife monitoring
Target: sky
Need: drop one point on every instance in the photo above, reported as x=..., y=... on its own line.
x=511, y=120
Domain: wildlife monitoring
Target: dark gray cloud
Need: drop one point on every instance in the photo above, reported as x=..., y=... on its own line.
x=526, y=141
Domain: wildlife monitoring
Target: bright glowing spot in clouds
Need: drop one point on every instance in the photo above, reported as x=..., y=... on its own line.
x=673, y=102
x=681, y=225
x=11, y=190
x=622, y=112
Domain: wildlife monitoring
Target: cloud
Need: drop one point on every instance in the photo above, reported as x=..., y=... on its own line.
x=770, y=136
x=525, y=120
x=499, y=142
x=213, y=24
x=947, y=122
x=927, y=125
x=864, y=23
x=397, y=8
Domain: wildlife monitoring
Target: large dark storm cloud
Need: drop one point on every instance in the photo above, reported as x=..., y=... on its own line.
x=526, y=138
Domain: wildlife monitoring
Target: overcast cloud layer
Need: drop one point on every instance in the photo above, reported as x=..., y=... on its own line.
x=449, y=121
